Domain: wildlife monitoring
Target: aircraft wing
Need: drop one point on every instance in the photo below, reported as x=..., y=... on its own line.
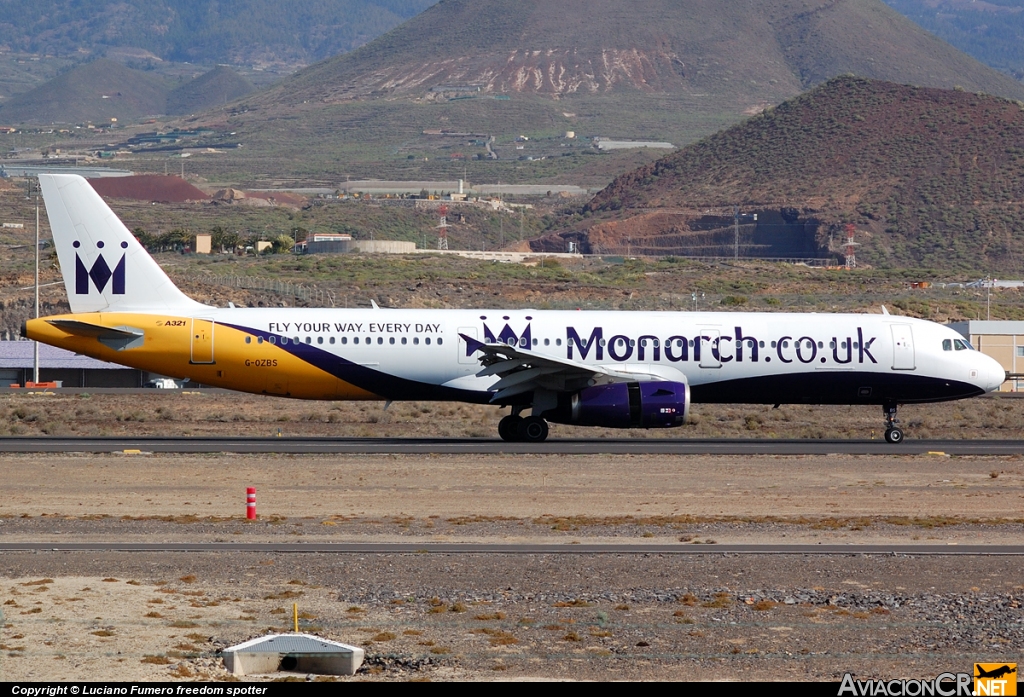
x=522, y=370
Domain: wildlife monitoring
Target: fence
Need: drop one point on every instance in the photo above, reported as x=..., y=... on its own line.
x=312, y=294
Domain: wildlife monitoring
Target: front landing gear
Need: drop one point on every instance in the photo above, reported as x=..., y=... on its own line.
x=516, y=429
x=893, y=434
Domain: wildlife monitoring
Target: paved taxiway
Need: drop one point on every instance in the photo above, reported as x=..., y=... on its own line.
x=461, y=446
x=526, y=548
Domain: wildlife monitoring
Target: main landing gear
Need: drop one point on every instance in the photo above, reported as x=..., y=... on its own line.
x=517, y=429
x=893, y=434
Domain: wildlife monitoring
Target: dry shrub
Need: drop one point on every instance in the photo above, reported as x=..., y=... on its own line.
x=689, y=599
x=571, y=636
x=764, y=605
x=383, y=636
x=155, y=615
x=721, y=600
x=156, y=660
x=490, y=616
x=283, y=595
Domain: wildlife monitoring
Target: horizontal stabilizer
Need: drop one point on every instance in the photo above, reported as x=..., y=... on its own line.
x=117, y=338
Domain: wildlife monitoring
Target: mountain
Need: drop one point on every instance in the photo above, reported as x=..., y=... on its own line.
x=219, y=86
x=97, y=91
x=651, y=70
x=992, y=31
x=754, y=51
x=231, y=31
x=929, y=177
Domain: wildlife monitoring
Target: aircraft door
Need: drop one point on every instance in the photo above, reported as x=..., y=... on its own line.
x=202, y=340
x=709, y=356
x=473, y=359
x=903, y=347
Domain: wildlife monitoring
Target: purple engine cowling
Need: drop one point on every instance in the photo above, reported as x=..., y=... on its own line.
x=625, y=405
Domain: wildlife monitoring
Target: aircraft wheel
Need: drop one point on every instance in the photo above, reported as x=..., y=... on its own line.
x=533, y=429
x=508, y=428
x=894, y=436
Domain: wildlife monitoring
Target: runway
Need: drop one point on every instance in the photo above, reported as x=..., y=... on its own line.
x=461, y=446
x=522, y=549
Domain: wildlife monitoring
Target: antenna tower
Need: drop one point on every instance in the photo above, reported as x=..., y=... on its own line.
x=442, y=229
x=851, y=257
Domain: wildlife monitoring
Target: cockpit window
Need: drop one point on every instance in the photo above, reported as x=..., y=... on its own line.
x=947, y=344
x=962, y=345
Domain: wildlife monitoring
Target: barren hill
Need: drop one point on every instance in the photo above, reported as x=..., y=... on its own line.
x=96, y=91
x=219, y=86
x=929, y=177
x=755, y=51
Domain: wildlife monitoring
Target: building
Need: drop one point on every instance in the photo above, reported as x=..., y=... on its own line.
x=204, y=243
x=1002, y=340
x=323, y=243
x=56, y=364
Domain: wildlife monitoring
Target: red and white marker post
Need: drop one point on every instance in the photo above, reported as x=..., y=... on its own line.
x=250, y=503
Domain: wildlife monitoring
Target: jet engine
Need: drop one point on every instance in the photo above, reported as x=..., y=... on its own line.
x=625, y=405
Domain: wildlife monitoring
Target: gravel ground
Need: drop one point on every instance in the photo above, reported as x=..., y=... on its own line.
x=158, y=616
x=447, y=617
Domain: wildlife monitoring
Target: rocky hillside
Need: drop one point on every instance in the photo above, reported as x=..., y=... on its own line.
x=755, y=52
x=930, y=177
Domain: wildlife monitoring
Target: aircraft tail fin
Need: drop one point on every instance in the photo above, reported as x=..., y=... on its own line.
x=105, y=268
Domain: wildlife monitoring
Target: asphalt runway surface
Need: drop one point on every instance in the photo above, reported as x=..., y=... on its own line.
x=462, y=446
x=525, y=548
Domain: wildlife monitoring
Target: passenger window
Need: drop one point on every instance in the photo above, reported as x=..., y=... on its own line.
x=332, y=339
x=558, y=342
x=273, y=339
x=284, y=340
x=547, y=342
x=248, y=339
x=309, y=340
x=947, y=344
x=319, y=340
x=440, y=341
x=415, y=341
x=427, y=341
x=380, y=340
x=391, y=340
x=344, y=339
x=404, y=341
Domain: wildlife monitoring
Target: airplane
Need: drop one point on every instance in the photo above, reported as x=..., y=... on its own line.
x=611, y=369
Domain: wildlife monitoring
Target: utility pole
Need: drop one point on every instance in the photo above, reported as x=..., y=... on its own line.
x=35, y=362
x=988, y=300
x=736, y=233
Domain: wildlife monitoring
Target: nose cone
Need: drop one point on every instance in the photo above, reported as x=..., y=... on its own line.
x=990, y=374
